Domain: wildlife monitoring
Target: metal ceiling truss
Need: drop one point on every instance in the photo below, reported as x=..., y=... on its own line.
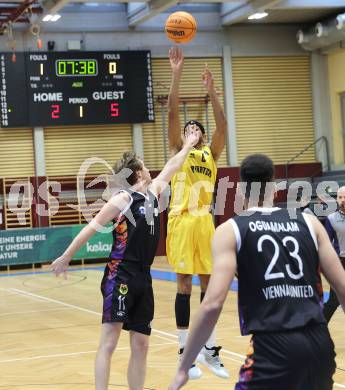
x=139, y=12
x=20, y=13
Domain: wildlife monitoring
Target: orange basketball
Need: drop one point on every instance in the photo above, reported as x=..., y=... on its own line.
x=180, y=27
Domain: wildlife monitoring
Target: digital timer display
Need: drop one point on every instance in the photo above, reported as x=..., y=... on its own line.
x=76, y=88
x=74, y=67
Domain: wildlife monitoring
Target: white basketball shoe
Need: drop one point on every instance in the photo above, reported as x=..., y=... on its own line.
x=194, y=372
x=209, y=357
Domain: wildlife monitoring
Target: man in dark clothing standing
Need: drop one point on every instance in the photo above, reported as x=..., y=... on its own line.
x=335, y=227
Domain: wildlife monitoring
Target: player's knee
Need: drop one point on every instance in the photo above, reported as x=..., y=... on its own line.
x=140, y=346
x=184, y=284
x=185, y=289
x=108, y=346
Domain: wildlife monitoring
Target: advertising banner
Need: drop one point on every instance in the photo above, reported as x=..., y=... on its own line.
x=27, y=246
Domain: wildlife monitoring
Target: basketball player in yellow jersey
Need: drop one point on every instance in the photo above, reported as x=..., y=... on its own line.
x=190, y=223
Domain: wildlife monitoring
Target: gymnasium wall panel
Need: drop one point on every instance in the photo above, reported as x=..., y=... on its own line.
x=273, y=107
x=67, y=147
x=336, y=74
x=16, y=153
x=191, y=89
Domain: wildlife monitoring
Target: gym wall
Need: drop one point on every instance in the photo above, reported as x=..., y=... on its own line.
x=273, y=107
x=336, y=74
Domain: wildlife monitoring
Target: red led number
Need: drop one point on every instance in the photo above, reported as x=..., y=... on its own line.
x=55, y=111
x=114, y=109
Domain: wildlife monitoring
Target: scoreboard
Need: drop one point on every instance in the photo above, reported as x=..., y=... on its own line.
x=75, y=88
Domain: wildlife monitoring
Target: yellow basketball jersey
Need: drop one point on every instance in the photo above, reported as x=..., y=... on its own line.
x=193, y=185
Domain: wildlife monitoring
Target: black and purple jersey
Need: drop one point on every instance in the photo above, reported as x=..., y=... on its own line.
x=279, y=282
x=136, y=232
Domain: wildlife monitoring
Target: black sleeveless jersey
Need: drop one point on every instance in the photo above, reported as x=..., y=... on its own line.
x=136, y=230
x=279, y=282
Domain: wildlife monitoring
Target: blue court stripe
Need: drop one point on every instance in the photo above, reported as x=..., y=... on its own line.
x=47, y=272
x=156, y=274
x=171, y=277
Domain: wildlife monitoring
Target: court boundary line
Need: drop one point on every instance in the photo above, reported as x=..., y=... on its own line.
x=36, y=296
x=41, y=297
x=156, y=274
x=72, y=354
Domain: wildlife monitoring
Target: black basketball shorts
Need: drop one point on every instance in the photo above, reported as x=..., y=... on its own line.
x=128, y=296
x=301, y=359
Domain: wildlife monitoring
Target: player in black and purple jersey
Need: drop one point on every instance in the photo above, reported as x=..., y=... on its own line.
x=126, y=285
x=277, y=255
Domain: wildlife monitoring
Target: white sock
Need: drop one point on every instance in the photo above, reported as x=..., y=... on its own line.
x=211, y=342
x=182, y=337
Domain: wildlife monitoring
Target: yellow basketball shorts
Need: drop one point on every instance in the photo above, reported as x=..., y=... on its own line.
x=189, y=243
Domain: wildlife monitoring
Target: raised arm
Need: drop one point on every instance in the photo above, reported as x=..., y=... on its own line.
x=218, y=138
x=224, y=268
x=109, y=211
x=173, y=165
x=174, y=128
x=329, y=261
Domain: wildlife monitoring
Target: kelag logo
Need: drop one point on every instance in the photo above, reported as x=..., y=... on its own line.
x=99, y=247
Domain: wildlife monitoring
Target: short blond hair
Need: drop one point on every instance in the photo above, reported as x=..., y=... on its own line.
x=131, y=161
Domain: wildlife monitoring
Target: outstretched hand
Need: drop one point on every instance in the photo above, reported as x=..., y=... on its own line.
x=176, y=59
x=192, y=138
x=60, y=265
x=207, y=79
x=180, y=379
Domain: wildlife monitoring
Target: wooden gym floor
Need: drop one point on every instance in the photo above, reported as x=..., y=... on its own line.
x=49, y=331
